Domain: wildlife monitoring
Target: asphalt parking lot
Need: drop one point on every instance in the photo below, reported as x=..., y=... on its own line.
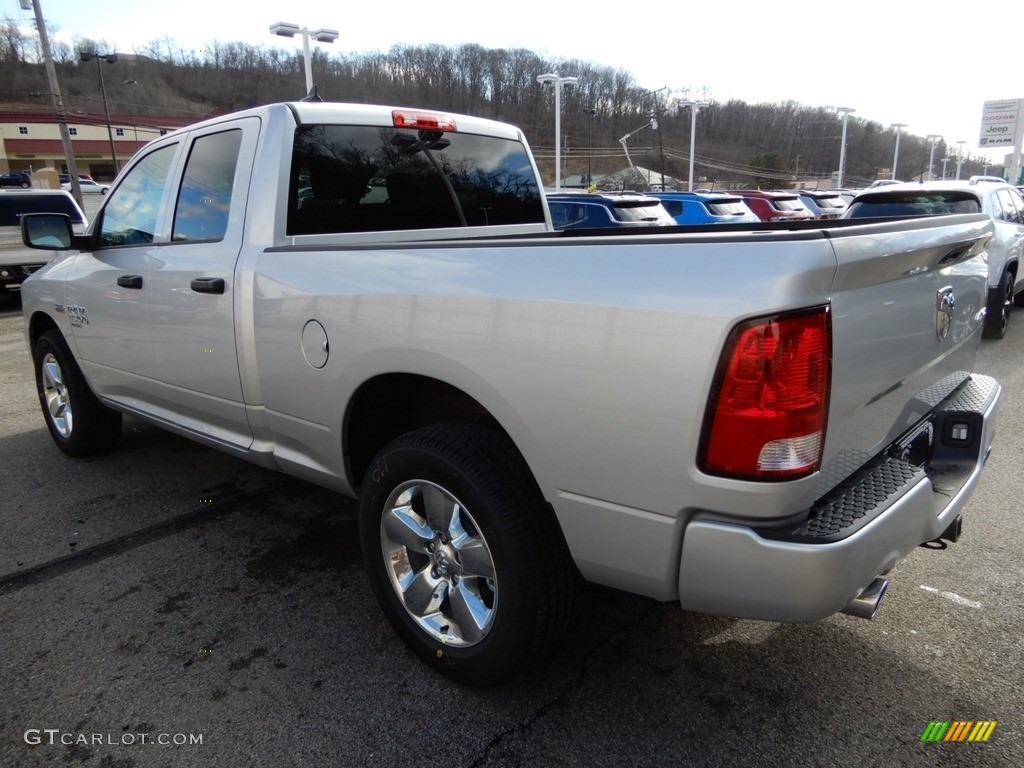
x=166, y=605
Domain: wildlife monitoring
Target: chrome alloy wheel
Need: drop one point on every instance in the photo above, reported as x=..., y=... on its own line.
x=55, y=392
x=439, y=563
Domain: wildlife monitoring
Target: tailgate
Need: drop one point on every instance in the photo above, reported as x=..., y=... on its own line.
x=908, y=306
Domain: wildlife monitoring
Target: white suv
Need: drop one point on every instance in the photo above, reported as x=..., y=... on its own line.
x=998, y=199
x=16, y=260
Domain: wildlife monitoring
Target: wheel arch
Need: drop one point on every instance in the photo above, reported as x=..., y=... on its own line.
x=38, y=324
x=392, y=404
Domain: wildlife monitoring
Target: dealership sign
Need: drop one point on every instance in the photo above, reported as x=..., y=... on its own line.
x=1001, y=123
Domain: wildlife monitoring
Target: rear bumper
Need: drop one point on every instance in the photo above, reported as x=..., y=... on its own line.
x=852, y=535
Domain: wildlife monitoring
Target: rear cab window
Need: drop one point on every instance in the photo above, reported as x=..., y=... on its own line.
x=352, y=178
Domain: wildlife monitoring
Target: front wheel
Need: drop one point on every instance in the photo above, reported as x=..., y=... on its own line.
x=463, y=555
x=79, y=423
x=997, y=318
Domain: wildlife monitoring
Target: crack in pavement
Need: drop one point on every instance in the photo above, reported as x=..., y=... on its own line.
x=575, y=684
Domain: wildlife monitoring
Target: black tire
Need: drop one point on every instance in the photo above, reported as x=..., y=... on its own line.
x=464, y=556
x=997, y=318
x=25, y=185
x=1018, y=299
x=79, y=423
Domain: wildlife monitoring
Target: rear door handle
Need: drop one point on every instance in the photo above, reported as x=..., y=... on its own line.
x=130, y=281
x=208, y=285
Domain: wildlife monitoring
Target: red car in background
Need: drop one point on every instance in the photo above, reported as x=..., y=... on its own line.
x=774, y=206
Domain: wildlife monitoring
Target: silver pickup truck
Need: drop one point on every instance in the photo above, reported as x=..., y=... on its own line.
x=757, y=422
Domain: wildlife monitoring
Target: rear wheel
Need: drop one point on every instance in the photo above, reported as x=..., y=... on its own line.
x=79, y=423
x=466, y=560
x=997, y=318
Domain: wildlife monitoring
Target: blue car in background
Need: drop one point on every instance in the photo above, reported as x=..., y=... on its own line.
x=585, y=210
x=706, y=207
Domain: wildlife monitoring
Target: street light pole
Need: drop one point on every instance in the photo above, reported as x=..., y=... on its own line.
x=110, y=59
x=933, y=138
x=945, y=160
x=959, y=158
x=558, y=82
x=285, y=29
x=590, y=145
x=845, y=112
x=896, y=154
x=694, y=109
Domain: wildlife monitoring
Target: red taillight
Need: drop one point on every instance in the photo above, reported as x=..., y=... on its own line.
x=769, y=403
x=430, y=121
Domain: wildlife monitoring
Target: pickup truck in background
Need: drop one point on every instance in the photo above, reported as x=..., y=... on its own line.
x=16, y=261
x=993, y=197
x=756, y=421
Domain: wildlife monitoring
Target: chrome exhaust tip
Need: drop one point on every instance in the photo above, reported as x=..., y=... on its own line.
x=865, y=605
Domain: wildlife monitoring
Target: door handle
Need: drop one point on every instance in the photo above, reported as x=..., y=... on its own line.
x=130, y=281
x=208, y=285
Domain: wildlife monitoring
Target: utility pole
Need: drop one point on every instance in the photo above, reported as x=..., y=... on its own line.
x=58, y=102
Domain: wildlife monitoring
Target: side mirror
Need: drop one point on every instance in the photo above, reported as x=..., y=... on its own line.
x=47, y=231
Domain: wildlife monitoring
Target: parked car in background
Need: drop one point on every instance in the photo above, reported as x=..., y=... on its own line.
x=705, y=207
x=17, y=261
x=585, y=210
x=65, y=178
x=15, y=179
x=88, y=187
x=774, y=206
x=999, y=200
x=823, y=204
x=883, y=183
x=846, y=195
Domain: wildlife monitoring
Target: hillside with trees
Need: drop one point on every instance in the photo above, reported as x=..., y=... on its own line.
x=765, y=144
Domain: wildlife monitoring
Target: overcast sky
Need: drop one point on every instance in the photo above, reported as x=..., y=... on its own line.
x=893, y=61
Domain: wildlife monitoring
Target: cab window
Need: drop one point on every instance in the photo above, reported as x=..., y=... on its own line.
x=204, y=200
x=348, y=178
x=130, y=216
